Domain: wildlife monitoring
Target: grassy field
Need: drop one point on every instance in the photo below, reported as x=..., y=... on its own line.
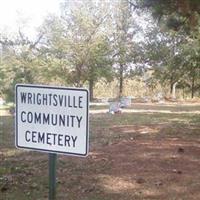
x=149, y=152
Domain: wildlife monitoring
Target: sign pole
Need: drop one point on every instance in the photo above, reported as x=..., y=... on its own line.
x=52, y=176
x=38, y=129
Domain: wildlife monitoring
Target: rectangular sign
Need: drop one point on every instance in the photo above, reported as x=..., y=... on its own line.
x=52, y=119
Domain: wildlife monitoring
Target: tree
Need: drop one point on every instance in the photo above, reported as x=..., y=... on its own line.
x=19, y=62
x=191, y=65
x=176, y=14
x=164, y=54
x=123, y=42
x=79, y=37
x=182, y=19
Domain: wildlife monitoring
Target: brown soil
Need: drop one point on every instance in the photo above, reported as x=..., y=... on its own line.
x=141, y=161
x=137, y=168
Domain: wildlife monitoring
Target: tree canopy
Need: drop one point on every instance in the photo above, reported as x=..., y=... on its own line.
x=107, y=40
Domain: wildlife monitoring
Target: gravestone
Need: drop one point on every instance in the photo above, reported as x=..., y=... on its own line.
x=125, y=102
x=114, y=108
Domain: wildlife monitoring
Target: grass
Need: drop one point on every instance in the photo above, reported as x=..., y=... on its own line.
x=6, y=131
x=99, y=107
x=132, y=156
x=6, y=106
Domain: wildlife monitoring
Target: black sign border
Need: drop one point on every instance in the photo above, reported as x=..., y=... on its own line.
x=57, y=88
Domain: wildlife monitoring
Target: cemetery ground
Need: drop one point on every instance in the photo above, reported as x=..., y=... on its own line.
x=149, y=151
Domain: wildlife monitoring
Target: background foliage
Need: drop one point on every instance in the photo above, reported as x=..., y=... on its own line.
x=155, y=43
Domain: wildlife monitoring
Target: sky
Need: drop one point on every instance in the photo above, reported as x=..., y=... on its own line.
x=25, y=13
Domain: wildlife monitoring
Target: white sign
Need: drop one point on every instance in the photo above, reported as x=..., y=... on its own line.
x=52, y=119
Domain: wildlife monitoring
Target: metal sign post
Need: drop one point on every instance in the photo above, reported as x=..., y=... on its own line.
x=52, y=176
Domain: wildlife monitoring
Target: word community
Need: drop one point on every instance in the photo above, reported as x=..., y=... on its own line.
x=51, y=119
x=51, y=99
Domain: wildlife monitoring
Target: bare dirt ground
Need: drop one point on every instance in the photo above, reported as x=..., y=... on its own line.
x=133, y=156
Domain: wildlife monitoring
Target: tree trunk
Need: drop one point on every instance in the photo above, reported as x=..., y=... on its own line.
x=78, y=75
x=121, y=80
x=91, y=89
x=171, y=88
x=193, y=87
x=183, y=93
